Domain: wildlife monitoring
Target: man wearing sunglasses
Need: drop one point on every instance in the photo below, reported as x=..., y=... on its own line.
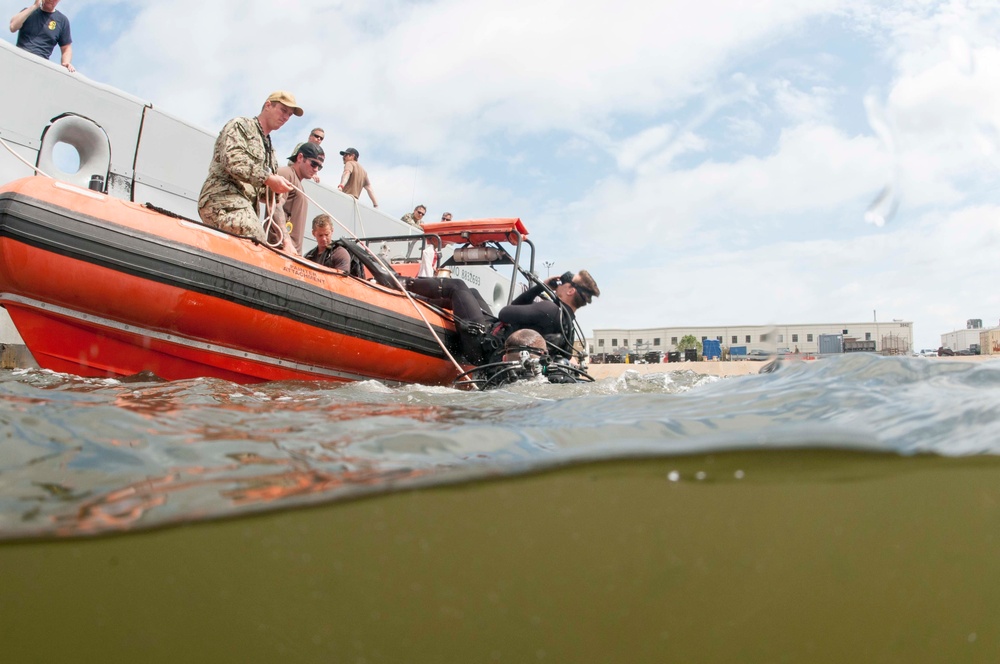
x=315, y=136
x=416, y=217
x=293, y=207
x=552, y=319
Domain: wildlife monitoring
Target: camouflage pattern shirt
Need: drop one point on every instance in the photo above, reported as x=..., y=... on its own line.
x=243, y=158
x=408, y=218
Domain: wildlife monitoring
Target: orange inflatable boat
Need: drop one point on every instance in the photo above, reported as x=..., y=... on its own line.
x=97, y=286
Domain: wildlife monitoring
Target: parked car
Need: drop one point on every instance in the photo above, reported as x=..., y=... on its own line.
x=758, y=354
x=945, y=352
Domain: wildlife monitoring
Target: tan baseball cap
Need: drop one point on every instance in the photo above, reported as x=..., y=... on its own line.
x=288, y=99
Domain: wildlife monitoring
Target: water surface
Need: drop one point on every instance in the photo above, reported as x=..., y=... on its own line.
x=84, y=456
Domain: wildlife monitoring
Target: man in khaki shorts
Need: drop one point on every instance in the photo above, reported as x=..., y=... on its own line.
x=244, y=167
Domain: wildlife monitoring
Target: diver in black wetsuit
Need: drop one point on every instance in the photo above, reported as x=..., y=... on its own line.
x=553, y=320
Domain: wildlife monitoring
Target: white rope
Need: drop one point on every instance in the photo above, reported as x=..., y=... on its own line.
x=25, y=162
x=270, y=205
x=357, y=215
x=392, y=275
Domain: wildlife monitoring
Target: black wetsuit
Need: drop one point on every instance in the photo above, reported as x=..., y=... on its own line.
x=466, y=303
x=552, y=320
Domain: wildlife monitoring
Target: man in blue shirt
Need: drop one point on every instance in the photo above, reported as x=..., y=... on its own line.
x=40, y=27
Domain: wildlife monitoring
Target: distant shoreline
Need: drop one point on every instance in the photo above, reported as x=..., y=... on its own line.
x=738, y=368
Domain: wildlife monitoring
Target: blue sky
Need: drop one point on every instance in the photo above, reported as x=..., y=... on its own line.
x=709, y=163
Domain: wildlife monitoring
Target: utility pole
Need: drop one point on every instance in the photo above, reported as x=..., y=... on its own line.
x=548, y=268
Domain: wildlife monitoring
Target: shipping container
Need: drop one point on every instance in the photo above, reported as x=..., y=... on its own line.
x=737, y=352
x=711, y=349
x=831, y=343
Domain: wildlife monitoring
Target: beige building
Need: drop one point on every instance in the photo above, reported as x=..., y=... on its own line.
x=895, y=337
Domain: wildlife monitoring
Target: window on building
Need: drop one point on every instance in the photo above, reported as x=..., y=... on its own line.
x=673, y=341
x=638, y=342
x=614, y=343
x=748, y=338
x=703, y=339
x=734, y=339
x=656, y=341
x=625, y=343
x=763, y=337
x=600, y=342
x=843, y=331
x=809, y=337
x=795, y=338
x=719, y=338
x=781, y=338
x=868, y=336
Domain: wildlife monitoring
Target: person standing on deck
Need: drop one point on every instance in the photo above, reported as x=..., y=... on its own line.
x=244, y=167
x=315, y=136
x=40, y=27
x=355, y=178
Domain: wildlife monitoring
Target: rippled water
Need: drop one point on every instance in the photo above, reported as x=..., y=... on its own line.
x=83, y=456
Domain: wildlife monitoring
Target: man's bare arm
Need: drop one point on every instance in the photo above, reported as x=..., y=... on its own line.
x=67, y=57
x=19, y=18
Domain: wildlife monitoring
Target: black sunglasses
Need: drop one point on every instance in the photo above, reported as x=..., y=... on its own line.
x=318, y=136
x=316, y=164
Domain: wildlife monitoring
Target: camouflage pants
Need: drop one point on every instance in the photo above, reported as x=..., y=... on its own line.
x=242, y=221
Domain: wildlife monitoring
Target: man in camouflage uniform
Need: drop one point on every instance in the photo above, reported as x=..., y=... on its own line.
x=416, y=217
x=244, y=167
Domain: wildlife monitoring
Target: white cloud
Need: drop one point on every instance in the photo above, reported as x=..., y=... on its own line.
x=814, y=169
x=802, y=105
x=423, y=74
x=926, y=273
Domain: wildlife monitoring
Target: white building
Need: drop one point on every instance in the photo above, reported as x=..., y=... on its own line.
x=895, y=337
x=964, y=339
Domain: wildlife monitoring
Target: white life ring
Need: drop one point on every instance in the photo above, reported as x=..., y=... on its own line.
x=91, y=143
